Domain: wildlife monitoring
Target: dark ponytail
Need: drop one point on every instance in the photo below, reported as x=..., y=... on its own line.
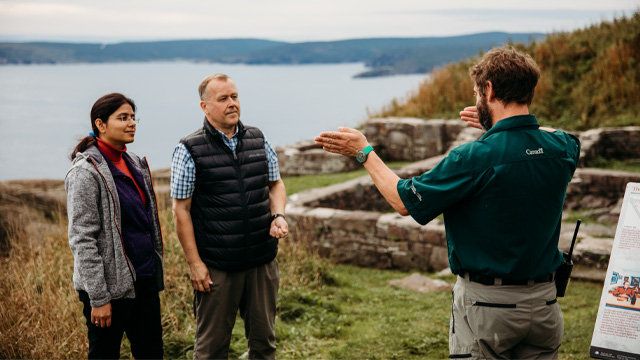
x=102, y=109
x=84, y=144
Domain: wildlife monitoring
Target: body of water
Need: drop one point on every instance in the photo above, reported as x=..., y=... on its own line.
x=44, y=109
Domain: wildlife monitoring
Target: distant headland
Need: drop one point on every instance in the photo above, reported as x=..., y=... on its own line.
x=383, y=56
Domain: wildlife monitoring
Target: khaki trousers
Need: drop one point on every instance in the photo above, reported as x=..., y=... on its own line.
x=505, y=322
x=254, y=293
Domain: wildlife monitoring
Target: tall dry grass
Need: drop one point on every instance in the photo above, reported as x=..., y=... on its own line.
x=442, y=95
x=41, y=316
x=590, y=79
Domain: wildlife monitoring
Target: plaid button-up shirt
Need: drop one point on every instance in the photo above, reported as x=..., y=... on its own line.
x=183, y=168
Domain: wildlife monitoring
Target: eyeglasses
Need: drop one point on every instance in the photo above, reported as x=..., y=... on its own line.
x=125, y=118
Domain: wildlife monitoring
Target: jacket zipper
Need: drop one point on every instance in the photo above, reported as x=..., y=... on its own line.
x=155, y=200
x=115, y=220
x=245, y=211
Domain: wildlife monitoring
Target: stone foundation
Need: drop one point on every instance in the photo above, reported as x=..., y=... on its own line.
x=370, y=238
x=354, y=224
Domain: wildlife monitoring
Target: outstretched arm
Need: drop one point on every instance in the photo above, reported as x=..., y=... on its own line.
x=348, y=142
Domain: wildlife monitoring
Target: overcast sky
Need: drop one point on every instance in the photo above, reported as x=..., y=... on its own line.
x=292, y=20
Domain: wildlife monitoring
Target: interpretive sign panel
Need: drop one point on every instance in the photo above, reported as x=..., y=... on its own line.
x=617, y=331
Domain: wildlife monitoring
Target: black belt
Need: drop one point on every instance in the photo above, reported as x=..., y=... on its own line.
x=488, y=280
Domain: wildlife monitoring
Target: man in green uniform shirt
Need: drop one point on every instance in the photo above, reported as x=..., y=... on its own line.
x=502, y=198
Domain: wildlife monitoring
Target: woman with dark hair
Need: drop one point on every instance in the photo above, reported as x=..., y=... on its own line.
x=115, y=236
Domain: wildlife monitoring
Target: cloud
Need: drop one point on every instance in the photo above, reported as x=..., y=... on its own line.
x=291, y=20
x=9, y=9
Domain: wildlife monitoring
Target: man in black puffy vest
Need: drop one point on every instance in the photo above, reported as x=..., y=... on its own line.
x=228, y=209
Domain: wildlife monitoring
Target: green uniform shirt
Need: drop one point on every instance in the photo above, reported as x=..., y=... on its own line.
x=502, y=198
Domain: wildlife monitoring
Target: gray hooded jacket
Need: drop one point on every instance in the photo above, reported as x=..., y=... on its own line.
x=101, y=267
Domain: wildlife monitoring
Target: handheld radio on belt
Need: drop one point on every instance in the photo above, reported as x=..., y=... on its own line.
x=564, y=271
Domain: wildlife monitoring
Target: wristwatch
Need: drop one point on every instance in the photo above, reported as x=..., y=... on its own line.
x=276, y=215
x=361, y=155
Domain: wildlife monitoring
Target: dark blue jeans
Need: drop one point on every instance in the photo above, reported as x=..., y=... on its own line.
x=139, y=318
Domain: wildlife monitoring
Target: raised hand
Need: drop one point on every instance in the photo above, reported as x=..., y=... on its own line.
x=470, y=116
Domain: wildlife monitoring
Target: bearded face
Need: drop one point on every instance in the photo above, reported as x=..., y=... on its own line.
x=484, y=113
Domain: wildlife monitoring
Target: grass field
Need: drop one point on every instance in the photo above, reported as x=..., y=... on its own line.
x=325, y=311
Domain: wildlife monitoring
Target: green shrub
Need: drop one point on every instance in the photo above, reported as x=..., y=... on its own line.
x=590, y=79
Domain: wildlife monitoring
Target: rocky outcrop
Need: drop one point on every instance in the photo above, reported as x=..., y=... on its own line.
x=621, y=143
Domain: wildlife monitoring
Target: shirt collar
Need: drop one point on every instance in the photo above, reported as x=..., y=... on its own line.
x=239, y=132
x=225, y=136
x=511, y=123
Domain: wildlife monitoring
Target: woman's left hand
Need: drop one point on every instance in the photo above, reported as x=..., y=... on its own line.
x=101, y=315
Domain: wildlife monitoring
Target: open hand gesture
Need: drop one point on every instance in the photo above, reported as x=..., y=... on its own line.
x=346, y=141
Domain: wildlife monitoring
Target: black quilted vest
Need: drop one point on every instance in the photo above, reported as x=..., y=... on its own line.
x=230, y=206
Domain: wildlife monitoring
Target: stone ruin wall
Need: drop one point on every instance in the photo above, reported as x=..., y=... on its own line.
x=352, y=223
x=621, y=143
x=394, y=139
x=370, y=238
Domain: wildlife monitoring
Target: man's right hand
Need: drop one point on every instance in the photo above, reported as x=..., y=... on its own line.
x=198, y=271
x=200, y=277
x=345, y=141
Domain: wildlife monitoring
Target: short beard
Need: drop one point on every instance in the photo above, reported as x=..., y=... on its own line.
x=484, y=114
